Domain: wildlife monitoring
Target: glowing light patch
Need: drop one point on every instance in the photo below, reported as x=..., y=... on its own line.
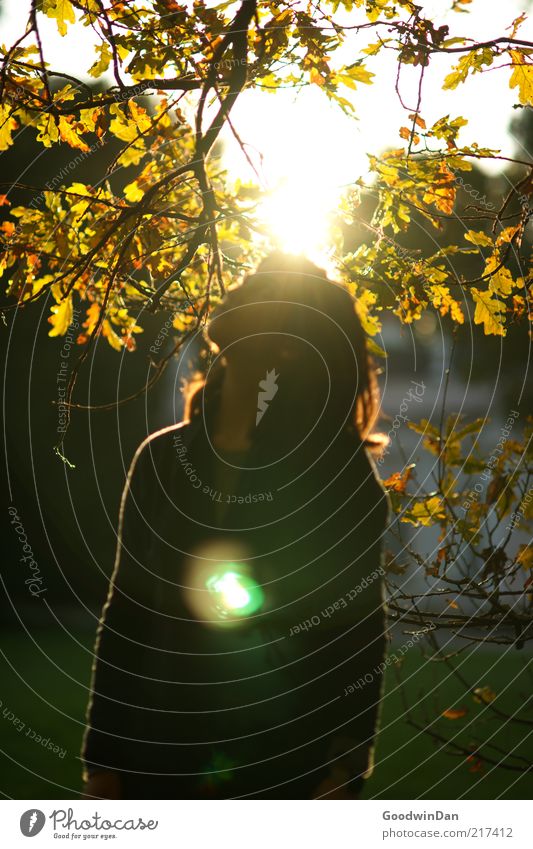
x=234, y=593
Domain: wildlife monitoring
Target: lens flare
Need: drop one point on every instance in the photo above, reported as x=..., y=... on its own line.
x=234, y=593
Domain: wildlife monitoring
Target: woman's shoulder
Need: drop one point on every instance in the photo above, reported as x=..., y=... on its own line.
x=362, y=478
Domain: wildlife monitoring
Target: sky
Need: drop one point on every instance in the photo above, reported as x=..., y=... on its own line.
x=293, y=137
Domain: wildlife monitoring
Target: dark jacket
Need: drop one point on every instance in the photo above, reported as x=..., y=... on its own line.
x=182, y=706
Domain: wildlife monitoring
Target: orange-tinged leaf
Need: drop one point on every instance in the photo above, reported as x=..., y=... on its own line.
x=114, y=340
x=507, y=234
x=399, y=480
x=8, y=228
x=476, y=763
x=443, y=198
x=93, y=314
x=129, y=122
x=418, y=120
x=316, y=77
x=445, y=303
x=68, y=134
x=454, y=713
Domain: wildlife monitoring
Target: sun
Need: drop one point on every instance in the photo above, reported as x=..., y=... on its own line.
x=305, y=153
x=296, y=215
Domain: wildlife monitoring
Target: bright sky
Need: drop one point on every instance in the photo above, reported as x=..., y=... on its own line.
x=307, y=149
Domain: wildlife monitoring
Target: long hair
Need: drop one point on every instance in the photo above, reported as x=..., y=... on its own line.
x=333, y=360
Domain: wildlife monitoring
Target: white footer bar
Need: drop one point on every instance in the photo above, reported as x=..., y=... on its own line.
x=268, y=824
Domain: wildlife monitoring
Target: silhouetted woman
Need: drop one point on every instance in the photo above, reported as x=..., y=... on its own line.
x=238, y=648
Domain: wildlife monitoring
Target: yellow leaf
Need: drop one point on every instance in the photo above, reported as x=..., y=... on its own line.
x=517, y=23
x=425, y=512
x=460, y=72
x=61, y=10
x=7, y=125
x=88, y=117
x=444, y=302
x=522, y=77
x=365, y=302
x=374, y=10
x=501, y=279
x=68, y=134
x=102, y=64
x=375, y=349
x=501, y=282
x=132, y=155
x=373, y=49
x=478, y=237
x=122, y=128
x=525, y=556
x=61, y=317
x=128, y=127
x=48, y=131
x=507, y=234
x=133, y=193
x=140, y=116
x=472, y=62
x=183, y=321
x=489, y=312
x=484, y=695
x=355, y=74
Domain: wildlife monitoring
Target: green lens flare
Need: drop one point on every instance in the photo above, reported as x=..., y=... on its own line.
x=235, y=593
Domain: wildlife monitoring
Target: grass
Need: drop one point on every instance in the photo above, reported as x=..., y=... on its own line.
x=44, y=685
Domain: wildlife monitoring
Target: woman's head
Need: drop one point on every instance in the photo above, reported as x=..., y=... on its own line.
x=289, y=317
